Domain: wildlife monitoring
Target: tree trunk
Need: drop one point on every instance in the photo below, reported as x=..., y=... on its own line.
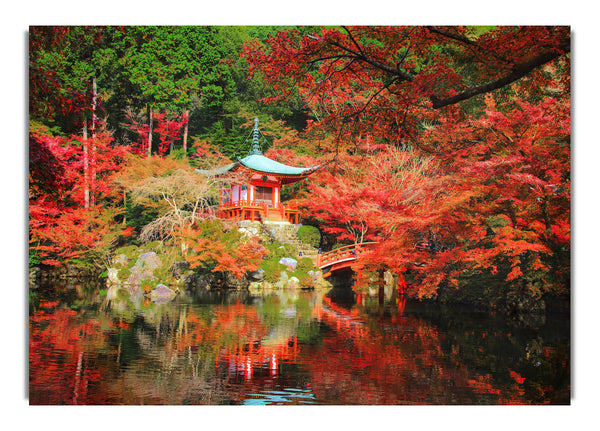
x=149, y=111
x=124, y=207
x=186, y=116
x=86, y=185
x=94, y=123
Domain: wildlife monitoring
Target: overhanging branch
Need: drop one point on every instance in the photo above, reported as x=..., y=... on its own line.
x=519, y=70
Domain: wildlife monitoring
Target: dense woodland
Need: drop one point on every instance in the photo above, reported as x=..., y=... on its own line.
x=450, y=146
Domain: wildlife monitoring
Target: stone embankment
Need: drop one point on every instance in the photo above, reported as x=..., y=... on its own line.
x=67, y=272
x=283, y=232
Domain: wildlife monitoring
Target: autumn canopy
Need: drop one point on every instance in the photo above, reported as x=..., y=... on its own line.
x=449, y=146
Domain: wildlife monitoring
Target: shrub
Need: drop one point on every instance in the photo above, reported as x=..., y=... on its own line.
x=278, y=250
x=212, y=248
x=272, y=269
x=305, y=264
x=309, y=235
x=34, y=259
x=123, y=274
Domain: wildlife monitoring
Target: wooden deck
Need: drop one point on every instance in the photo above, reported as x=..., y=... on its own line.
x=258, y=211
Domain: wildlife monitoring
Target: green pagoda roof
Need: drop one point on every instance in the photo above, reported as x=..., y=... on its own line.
x=260, y=163
x=255, y=161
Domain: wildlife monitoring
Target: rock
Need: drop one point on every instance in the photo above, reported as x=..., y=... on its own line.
x=34, y=274
x=148, y=260
x=289, y=263
x=121, y=260
x=516, y=302
x=188, y=280
x=317, y=279
x=205, y=282
x=234, y=283
x=112, y=275
x=161, y=294
x=255, y=287
x=72, y=270
x=258, y=275
x=180, y=268
x=144, y=268
x=283, y=280
x=293, y=283
x=249, y=231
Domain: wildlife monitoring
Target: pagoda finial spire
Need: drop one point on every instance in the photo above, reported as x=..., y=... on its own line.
x=255, y=146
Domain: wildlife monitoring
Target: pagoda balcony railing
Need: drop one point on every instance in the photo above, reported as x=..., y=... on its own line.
x=252, y=210
x=243, y=203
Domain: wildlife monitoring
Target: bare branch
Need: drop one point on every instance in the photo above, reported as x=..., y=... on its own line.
x=354, y=40
x=378, y=65
x=519, y=70
x=451, y=36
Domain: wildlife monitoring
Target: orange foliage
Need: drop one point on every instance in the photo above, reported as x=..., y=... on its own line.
x=210, y=246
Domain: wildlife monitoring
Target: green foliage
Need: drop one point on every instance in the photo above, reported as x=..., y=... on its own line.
x=278, y=250
x=272, y=270
x=270, y=265
x=34, y=259
x=340, y=245
x=124, y=273
x=305, y=264
x=131, y=252
x=137, y=215
x=178, y=154
x=309, y=235
x=168, y=253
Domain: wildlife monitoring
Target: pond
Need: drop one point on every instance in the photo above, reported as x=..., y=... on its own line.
x=93, y=345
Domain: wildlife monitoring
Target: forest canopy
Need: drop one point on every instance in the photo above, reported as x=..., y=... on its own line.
x=449, y=146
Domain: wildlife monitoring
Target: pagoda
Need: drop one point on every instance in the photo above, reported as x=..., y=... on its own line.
x=258, y=198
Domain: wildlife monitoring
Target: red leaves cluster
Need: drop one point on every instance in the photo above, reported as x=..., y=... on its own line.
x=169, y=130
x=384, y=79
x=61, y=227
x=495, y=190
x=168, y=127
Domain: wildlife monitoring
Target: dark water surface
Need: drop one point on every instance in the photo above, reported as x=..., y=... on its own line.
x=102, y=346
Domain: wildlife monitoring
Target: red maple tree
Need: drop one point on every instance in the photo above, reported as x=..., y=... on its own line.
x=496, y=191
x=61, y=226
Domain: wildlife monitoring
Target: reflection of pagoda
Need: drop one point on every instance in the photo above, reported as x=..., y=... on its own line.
x=258, y=358
x=258, y=197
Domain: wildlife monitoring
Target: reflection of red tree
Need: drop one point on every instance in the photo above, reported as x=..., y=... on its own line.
x=360, y=360
x=60, y=365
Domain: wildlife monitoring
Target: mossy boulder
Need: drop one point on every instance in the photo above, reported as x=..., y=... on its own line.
x=162, y=294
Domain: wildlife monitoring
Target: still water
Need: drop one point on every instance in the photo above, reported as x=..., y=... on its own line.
x=90, y=345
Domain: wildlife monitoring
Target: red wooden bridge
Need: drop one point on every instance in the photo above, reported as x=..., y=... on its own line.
x=341, y=258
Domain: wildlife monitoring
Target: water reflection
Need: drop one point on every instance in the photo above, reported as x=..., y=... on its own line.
x=89, y=346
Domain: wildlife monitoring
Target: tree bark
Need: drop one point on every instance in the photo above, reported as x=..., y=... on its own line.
x=86, y=185
x=149, y=111
x=517, y=72
x=93, y=154
x=185, y=131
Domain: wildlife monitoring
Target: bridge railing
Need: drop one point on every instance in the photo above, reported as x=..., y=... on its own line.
x=349, y=252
